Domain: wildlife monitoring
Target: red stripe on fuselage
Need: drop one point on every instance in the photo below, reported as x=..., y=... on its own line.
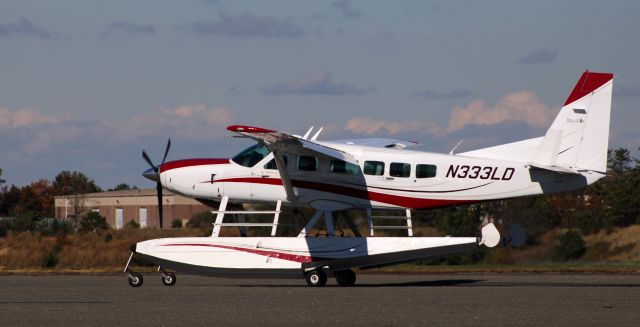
x=398, y=200
x=271, y=254
x=191, y=162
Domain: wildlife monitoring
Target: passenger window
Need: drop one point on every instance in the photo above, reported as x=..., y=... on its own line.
x=343, y=167
x=307, y=163
x=425, y=171
x=374, y=168
x=272, y=163
x=399, y=169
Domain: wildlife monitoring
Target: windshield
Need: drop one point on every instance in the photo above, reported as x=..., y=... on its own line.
x=251, y=156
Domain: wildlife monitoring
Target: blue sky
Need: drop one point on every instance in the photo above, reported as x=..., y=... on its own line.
x=85, y=85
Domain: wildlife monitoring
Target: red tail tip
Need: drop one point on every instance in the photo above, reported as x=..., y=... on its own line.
x=588, y=83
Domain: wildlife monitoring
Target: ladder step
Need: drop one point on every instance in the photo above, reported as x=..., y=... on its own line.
x=390, y=217
x=390, y=227
x=246, y=212
x=246, y=224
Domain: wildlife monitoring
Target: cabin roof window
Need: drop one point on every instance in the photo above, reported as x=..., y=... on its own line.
x=343, y=167
x=251, y=155
x=374, y=168
x=307, y=163
x=399, y=169
x=426, y=171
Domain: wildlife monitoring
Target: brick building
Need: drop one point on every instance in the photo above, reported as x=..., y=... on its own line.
x=120, y=207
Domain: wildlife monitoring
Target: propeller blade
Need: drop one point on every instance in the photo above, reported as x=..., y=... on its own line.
x=146, y=158
x=160, y=204
x=166, y=151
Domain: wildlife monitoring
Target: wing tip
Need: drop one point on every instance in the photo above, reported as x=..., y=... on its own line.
x=248, y=129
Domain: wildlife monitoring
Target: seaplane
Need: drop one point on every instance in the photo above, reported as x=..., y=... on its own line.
x=373, y=175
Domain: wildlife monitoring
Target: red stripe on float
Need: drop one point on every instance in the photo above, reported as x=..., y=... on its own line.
x=271, y=254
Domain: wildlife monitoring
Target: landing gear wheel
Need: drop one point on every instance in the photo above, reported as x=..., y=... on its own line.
x=169, y=279
x=316, y=278
x=135, y=279
x=345, y=277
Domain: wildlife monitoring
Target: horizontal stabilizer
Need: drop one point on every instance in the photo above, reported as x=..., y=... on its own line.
x=555, y=169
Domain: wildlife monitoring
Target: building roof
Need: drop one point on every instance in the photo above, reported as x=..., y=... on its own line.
x=121, y=193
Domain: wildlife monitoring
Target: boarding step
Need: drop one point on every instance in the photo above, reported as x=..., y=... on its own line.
x=372, y=227
x=221, y=212
x=391, y=227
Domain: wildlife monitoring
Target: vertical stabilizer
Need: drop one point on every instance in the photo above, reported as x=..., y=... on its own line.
x=579, y=136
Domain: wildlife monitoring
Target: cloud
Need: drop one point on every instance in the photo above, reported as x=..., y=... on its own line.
x=521, y=106
x=626, y=90
x=123, y=27
x=345, y=8
x=235, y=89
x=316, y=83
x=24, y=117
x=212, y=2
x=454, y=94
x=196, y=122
x=23, y=28
x=543, y=56
x=370, y=126
x=247, y=25
x=30, y=132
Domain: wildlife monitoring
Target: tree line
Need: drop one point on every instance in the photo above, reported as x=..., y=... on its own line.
x=31, y=207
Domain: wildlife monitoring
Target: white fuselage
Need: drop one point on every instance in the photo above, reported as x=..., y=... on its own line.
x=457, y=179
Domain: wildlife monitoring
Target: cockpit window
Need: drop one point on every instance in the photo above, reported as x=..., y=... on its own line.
x=251, y=156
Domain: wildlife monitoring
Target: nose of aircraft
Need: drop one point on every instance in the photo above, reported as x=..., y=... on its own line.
x=151, y=174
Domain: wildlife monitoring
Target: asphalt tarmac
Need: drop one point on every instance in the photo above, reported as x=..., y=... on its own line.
x=376, y=300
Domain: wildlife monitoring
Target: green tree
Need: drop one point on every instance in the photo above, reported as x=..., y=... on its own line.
x=2, y=181
x=569, y=246
x=73, y=183
x=619, y=159
x=123, y=187
x=93, y=222
x=76, y=185
x=176, y=223
x=457, y=221
x=10, y=197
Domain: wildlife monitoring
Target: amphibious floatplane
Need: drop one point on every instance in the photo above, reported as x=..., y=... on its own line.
x=366, y=174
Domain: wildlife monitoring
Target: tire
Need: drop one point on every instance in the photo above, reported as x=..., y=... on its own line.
x=135, y=280
x=169, y=279
x=345, y=278
x=316, y=278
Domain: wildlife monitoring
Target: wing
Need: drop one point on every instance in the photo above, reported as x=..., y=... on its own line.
x=279, y=143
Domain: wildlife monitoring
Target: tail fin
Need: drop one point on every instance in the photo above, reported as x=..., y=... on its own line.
x=579, y=136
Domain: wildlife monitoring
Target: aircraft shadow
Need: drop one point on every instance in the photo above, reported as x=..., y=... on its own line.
x=462, y=282
x=429, y=283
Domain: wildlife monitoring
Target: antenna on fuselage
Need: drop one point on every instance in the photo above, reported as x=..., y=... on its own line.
x=307, y=133
x=455, y=147
x=315, y=136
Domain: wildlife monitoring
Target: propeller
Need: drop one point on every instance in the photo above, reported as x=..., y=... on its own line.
x=153, y=174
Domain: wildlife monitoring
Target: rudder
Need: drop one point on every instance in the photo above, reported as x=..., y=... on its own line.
x=579, y=136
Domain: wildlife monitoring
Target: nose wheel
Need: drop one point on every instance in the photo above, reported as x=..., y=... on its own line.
x=135, y=279
x=168, y=278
